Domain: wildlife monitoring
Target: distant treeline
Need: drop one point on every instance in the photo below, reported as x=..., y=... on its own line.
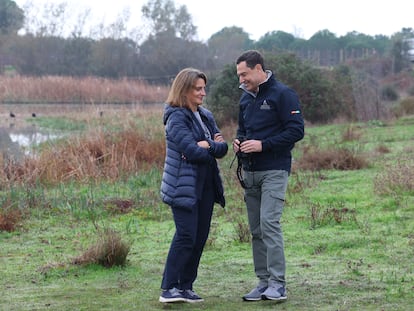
x=33, y=43
x=160, y=57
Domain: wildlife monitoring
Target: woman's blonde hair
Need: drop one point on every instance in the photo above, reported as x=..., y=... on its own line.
x=182, y=84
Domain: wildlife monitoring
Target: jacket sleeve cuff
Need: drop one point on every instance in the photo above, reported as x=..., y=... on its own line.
x=210, y=147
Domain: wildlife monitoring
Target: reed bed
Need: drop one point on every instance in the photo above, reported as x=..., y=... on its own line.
x=92, y=90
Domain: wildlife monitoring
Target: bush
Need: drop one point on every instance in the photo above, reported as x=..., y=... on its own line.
x=334, y=158
x=224, y=94
x=321, y=99
x=411, y=91
x=407, y=105
x=9, y=219
x=313, y=85
x=388, y=92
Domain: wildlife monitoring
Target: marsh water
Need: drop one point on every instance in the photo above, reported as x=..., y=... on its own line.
x=15, y=143
x=20, y=134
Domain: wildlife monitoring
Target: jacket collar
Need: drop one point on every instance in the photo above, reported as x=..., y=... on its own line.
x=269, y=75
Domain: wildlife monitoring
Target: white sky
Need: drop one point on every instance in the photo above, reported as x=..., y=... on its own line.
x=302, y=18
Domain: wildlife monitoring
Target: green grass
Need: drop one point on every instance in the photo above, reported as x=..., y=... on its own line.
x=61, y=123
x=354, y=252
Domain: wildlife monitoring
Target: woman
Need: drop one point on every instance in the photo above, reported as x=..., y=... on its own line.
x=191, y=183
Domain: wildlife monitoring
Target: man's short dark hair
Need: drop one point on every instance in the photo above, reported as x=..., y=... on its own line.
x=252, y=58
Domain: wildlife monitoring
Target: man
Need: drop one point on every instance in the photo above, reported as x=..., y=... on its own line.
x=270, y=123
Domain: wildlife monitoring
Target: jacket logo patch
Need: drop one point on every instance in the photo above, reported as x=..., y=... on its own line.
x=265, y=105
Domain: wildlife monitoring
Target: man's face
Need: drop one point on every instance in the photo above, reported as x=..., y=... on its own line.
x=249, y=77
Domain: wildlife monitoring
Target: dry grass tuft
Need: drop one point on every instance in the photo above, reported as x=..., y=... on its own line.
x=122, y=206
x=9, y=220
x=338, y=159
x=382, y=149
x=396, y=178
x=351, y=133
x=10, y=215
x=108, y=251
x=331, y=215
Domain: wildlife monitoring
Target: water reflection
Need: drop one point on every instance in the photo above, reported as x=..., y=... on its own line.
x=28, y=140
x=16, y=143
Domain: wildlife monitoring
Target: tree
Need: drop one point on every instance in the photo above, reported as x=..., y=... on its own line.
x=325, y=45
x=38, y=55
x=162, y=56
x=11, y=17
x=275, y=40
x=47, y=20
x=224, y=94
x=224, y=46
x=165, y=18
x=113, y=58
x=77, y=56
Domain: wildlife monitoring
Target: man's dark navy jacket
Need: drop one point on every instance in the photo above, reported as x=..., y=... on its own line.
x=274, y=117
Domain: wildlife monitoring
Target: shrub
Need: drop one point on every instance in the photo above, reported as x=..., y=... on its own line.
x=9, y=220
x=411, y=91
x=313, y=85
x=389, y=92
x=320, y=98
x=339, y=159
x=407, y=105
x=223, y=96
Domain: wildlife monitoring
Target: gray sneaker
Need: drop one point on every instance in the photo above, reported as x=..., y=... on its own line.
x=255, y=294
x=275, y=292
x=171, y=295
x=190, y=296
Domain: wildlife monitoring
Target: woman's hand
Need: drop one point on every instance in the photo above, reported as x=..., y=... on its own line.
x=219, y=138
x=203, y=144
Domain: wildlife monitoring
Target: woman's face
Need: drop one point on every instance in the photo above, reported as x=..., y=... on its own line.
x=196, y=94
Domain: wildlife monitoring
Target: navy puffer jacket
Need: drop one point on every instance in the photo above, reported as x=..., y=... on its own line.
x=186, y=163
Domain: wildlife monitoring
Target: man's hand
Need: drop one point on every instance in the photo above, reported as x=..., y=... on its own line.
x=250, y=146
x=236, y=145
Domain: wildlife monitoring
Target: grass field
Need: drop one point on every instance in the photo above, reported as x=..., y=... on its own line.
x=348, y=226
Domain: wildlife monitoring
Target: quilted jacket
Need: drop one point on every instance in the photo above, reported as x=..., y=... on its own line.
x=186, y=163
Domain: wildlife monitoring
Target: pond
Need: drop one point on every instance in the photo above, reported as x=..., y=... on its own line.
x=15, y=143
x=20, y=133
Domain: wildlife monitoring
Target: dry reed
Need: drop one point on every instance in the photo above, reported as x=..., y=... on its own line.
x=92, y=90
x=101, y=154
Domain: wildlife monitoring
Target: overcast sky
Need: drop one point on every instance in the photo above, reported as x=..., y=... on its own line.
x=302, y=18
